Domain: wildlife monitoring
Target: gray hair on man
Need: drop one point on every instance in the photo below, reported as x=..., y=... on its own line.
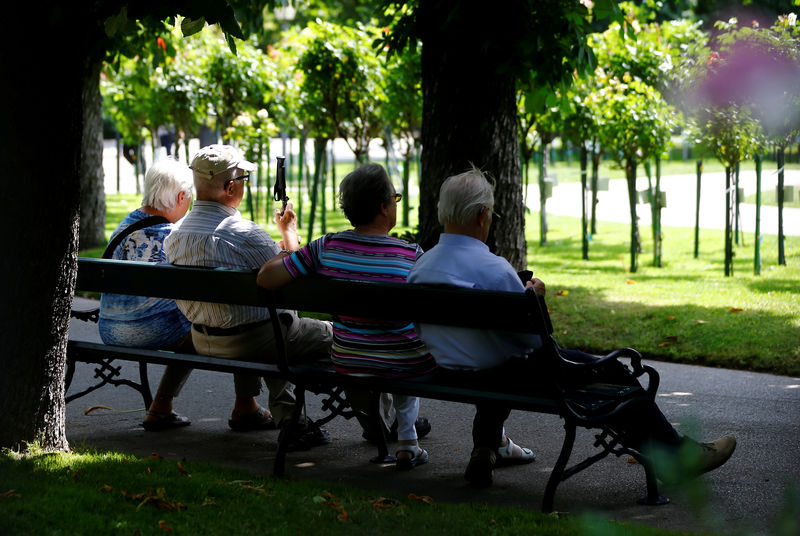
x=162, y=182
x=463, y=196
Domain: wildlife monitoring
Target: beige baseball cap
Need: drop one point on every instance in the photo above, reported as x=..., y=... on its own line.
x=214, y=159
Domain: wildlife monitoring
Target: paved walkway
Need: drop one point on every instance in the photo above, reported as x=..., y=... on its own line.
x=743, y=497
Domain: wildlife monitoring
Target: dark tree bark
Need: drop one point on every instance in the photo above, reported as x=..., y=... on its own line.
x=39, y=264
x=697, y=211
x=93, y=197
x=728, y=222
x=584, y=163
x=630, y=174
x=596, y=156
x=781, y=250
x=543, y=173
x=470, y=117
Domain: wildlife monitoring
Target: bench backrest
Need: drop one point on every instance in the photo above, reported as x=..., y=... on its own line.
x=509, y=311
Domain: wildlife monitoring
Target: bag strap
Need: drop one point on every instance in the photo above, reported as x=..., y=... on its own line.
x=141, y=224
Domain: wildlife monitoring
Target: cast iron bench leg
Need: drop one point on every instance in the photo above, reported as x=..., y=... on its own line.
x=556, y=476
x=375, y=419
x=144, y=385
x=279, y=467
x=653, y=498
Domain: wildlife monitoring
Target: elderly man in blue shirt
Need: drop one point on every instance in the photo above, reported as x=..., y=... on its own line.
x=462, y=259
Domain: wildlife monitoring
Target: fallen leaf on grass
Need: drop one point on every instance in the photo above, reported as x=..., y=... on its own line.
x=106, y=488
x=95, y=408
x=735, y=310
x=183, y=470
x=663, y=344
x=421, y=498
x=163, y=526
x=630, y=281
x=343, y=517
x=386, y=502
x=256, y=489
x=10, y=494
x=157, y=498
x=670, y=318
x=562, y=293
x=75, y=475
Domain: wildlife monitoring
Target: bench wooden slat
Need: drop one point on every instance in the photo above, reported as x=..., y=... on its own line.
x=458, y=307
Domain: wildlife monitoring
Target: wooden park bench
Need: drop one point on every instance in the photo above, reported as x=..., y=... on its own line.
x=588, y=405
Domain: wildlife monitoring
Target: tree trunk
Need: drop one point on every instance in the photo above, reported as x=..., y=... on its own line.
x=319, y=156
x=92, y=189
x=781, y=252
x=542, y=194
x=584, y=162
x=728, y=223
x=630, y=174
x=470, y=119
x=334, y=191
x=39, y=264
x=301, y=162
x=323, y=184
x=736, y=201
x=658, y=262
x=596, y=155
x=697, y=211
x=757, y=252
x=406, y=191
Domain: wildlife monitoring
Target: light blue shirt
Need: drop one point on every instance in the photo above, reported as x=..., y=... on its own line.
x=463, y=261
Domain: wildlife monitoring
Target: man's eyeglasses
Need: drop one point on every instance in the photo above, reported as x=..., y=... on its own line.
x=397, y=197
x=244, y=178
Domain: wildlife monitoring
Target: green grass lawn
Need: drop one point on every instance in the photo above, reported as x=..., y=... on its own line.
x=90, y=493
x=687, y=311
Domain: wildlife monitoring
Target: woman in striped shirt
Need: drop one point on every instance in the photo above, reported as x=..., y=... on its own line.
x=364, y=346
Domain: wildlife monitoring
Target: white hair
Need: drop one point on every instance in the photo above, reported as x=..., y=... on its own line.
x=461, y=197
x=162, y=183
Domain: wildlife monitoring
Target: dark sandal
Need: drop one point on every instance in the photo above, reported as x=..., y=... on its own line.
x=164, y=421
x=419, y=456
x=258, y=420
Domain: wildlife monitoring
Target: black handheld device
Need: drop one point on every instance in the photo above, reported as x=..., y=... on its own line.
x=279, y=191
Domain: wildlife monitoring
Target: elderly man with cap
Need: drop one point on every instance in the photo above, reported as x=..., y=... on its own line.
x=214, y=234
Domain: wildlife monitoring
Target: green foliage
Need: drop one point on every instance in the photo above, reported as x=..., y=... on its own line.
x=236, y=82
x=731, y=134
x=341, y=90
x=541, y=42
x=759, y=68
x=634, y=121
x=402, y=109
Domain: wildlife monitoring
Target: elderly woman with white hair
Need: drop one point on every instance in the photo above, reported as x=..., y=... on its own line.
x=145, y=322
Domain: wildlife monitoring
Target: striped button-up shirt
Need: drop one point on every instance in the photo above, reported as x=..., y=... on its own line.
x=215, y=235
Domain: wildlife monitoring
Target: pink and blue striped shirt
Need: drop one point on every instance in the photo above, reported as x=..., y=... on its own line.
x=365, y=346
